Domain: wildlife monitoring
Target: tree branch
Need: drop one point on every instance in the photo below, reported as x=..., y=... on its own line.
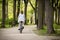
x=31, y=5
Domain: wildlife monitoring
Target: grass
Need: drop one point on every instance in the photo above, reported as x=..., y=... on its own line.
x=43, y=32
x=56, y=26
x=40, y=32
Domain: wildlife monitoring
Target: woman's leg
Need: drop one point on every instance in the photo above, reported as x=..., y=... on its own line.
x=19, y=26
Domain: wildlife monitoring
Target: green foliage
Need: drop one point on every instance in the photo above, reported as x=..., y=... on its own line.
x=56, y=26
x=40, y=32
x=10, y=11
x=0, y=0
x=44, y=31
x=22, y=5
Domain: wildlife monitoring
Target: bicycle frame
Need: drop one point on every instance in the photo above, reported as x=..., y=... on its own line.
x=21, y=25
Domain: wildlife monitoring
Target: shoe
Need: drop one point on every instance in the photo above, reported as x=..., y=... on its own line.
x=22, y=28
x=18, y=29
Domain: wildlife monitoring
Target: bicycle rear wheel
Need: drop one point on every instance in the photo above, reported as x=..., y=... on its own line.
x=20, y=30
x=21, y=25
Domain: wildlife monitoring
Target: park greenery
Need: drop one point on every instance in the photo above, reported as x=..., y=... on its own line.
x=43, y=13
x=43, y=32
x=10, y=11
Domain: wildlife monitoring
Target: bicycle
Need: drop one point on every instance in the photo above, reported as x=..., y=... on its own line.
x=21, y=26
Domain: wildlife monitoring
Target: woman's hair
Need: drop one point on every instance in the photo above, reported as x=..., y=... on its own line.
x=21, y=12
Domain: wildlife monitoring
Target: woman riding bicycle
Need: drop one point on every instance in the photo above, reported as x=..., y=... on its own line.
x=21, y=20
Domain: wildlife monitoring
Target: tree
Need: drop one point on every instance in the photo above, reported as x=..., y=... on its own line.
x=18, y=10
x=59, y=14
x=6, y=8
x=58, y=8
x=59, y=17
x=56, y=11
x=3, y=13
x=40, y=13
x=35, y=11
x=25, y=10
x=14, y=12
x=49, y=16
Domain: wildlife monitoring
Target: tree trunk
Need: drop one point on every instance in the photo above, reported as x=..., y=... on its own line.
x=49, y=16
x=56, y=11
x=18, y=8
x=25, y=10
x=40, y=13
x=31, y=5
x=43, y=15
x=3, y=13
x=6, y=9
x=35, y=12
x=59, y=17
x=56, y=16
x=14, y=12
x=59, y=14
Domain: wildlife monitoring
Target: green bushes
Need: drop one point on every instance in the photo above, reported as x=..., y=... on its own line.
x=44, y=31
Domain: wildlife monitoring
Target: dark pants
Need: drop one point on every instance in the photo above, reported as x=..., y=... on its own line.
x=21, y=25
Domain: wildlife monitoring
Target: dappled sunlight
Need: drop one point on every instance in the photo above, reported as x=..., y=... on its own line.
x=29, y=20
x=10, y=9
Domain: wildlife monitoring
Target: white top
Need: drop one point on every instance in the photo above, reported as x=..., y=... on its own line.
x=21, y=17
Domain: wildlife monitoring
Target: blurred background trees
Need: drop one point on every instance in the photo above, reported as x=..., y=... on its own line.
x=40, y=12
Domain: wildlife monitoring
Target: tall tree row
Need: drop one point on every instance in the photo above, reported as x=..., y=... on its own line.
x=58, y=7
x=36, y=11
x=59, y=14
x=3, y=13
x=14, y=12
x=55, y=9
x=49, y=16
x=18, y=8
x=6, y=8
x=40, y=13
x=25, y=10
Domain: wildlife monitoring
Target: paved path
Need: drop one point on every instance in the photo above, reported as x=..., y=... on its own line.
x=13, y=34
